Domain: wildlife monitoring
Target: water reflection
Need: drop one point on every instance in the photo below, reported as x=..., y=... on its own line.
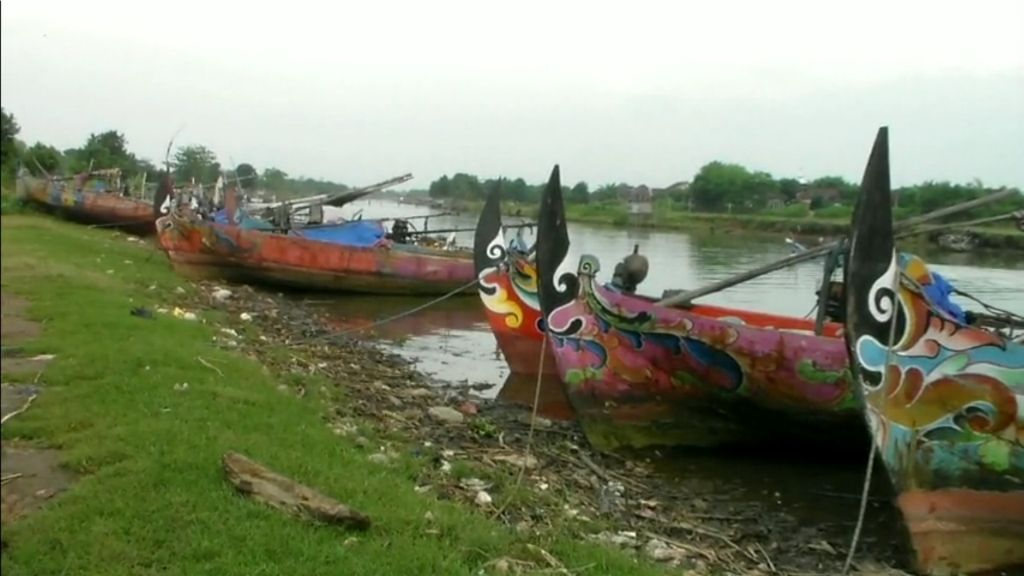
x=552, y=403
x=452, y=340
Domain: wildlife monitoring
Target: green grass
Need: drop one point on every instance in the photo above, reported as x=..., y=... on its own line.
x=152, y=498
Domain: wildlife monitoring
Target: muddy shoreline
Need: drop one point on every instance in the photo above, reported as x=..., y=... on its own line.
x=474, y=450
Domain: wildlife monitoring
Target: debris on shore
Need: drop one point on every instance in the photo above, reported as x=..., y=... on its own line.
x=533, y=475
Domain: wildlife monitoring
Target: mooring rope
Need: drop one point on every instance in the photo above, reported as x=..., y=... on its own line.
x=874, y=445
x=529, y=433
x=392, y=318
x=122, y=223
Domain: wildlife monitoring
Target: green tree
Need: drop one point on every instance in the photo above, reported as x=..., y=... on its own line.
x=275, y=180
x=788, y=187
x=466, y=187
x=102, y=151
x=579, y=194
x=41, y=158
x=248, y=176
x=719, y=186
x=440, y=188
x=197, y=162
x=847, y=191
x=9, y=130
x=606, y=192
x=517, y=190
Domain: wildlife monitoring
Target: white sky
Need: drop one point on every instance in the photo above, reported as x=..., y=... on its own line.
x=638, y=91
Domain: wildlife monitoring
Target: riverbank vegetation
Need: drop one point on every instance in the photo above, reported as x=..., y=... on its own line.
x=720, y=195
x=724, y=193
x=143, y=406
x=110, y=149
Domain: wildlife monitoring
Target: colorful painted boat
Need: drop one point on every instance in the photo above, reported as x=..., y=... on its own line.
x=508, y=289
x=94, y=198
x=304, y=259
x=944, y=400
x=643, y=374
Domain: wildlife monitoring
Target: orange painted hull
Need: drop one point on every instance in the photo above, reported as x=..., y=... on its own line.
x=957, y=531
x=103, y=208
x=204, y=249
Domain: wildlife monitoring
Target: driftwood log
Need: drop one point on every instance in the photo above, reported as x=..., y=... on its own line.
x=264, y=485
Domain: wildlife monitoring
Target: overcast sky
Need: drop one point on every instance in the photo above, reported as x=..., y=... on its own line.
x=642, y=92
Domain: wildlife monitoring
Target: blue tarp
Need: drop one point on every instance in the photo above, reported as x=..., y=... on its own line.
x=939, y=292
x=354, y=233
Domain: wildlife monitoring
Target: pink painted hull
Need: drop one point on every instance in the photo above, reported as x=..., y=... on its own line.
x=645, y=375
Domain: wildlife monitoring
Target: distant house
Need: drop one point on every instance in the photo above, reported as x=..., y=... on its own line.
x=640, y=200
x=775, y=201
x=825, y=195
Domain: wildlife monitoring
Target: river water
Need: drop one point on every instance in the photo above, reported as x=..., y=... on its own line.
x=452, y=342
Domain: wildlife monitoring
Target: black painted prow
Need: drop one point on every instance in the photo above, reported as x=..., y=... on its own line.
x=870, y=256
x=164, y=196
x=552, y=248
x=488, y=227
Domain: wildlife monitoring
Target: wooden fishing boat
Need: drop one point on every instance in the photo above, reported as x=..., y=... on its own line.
x=644, y=374
x=508, y=289
x=944, y=400
x=92, y=198
x=313, y=258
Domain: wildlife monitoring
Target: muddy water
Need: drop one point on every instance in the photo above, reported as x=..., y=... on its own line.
x=452, y=342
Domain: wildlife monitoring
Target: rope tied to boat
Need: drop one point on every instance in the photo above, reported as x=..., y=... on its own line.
x=383, y=321
x=529, y=434
x=896, y=283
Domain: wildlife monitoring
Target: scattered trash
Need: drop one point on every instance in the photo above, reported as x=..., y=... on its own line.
x=181, y=387
x=179, y=313
x=517, y=460
x=245, y=317
x=221, y=294
x=446, y=414
x=379, y=458
x=229, y=332
x=483, y=498
x=142, y=312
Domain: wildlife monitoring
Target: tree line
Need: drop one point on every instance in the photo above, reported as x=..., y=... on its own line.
x=717, y=187
x=109, y=149
x=720, y=187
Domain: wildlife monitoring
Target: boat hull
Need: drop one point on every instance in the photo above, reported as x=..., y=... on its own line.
x=508, y=290
x=643, y=375
x=944, y=400
x=640, y=374
x=959, y=530
x=509, y=295
x=98, y=208
x=207, y=250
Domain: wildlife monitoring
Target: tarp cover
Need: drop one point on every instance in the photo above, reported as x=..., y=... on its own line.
x=353, y=233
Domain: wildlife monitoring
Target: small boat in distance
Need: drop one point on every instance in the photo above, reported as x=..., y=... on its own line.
x=944, y=399
x=96, y=197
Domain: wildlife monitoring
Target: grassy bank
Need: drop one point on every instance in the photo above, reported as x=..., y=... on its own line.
x=835, y=223
x=152, y=497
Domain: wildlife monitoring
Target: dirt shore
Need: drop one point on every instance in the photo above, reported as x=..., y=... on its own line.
x=533, y=474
